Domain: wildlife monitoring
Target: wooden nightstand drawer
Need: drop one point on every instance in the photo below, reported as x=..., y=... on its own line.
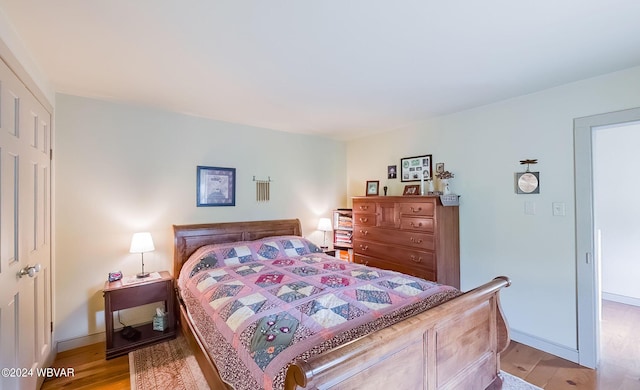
x=140, y=295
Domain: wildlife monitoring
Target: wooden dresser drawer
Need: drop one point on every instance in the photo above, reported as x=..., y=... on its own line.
x=418, y=209
x=409, y=238
x=396, y=255
x=362, y=206
x=360, y=219
x=408, y=269
x=419, y=224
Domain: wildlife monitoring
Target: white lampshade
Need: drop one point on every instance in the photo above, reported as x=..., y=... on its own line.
x=324, y=225
x=141, y=242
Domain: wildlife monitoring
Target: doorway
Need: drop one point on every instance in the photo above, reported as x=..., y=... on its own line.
x=588, y=264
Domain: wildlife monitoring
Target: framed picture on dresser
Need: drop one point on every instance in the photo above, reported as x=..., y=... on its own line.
x=373, y=187
x=412, y=167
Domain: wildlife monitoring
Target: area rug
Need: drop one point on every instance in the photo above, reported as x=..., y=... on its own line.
x=511, y=382
x=172, y=366
x=169, y=365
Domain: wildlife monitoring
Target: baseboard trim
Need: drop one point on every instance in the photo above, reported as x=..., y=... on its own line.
x=65, y=345
x=546, y=346
x=621, y=299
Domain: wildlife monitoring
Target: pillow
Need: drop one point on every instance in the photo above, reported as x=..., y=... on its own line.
x=240, y=252
x=297, y=246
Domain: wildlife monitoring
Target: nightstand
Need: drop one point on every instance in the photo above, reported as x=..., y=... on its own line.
x=330, y=252
x=118, y=296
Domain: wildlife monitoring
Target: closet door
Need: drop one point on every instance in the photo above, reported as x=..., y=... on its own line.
x=25, y=234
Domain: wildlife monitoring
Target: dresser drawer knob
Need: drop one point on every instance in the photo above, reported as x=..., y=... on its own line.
x=363, y=220
x=416, y=240
x=364, y=207
x=364, y=247
x=416, y=259
x=416, y=210
x=419, y=224
x=364, y=232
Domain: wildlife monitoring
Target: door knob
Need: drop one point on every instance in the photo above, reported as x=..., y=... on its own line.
x=29, y=270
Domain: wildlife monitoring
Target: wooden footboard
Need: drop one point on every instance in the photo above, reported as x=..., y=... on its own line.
x=455, y=345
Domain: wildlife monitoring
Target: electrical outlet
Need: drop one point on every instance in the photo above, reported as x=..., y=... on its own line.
x=530, y=208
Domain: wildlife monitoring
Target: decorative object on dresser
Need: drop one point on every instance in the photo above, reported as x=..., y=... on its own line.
x=444, y=180
x=324, y=225
x=141, y=242
x=414, y=235
x=118, y=296
x=528, y=182
x=415, y=168
x=216, y=186
x=411, y=189
x=373, y=187
x=343, y=233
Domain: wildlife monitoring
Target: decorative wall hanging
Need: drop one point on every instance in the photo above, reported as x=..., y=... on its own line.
x=415, y=168
x=263, y=189
x=527, y=182
x=216, y=186
x=392, y=172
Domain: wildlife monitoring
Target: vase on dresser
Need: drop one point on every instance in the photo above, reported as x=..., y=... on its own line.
x=445, y=186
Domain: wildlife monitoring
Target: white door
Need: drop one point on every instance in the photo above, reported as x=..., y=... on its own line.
x=25, y=234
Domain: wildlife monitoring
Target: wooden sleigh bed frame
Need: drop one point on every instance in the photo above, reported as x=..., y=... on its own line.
x=455, y=345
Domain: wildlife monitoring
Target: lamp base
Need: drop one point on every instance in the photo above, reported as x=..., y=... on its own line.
x=142, y=275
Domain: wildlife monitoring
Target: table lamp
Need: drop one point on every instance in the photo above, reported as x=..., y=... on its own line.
x=141, y=243
x=324, y=225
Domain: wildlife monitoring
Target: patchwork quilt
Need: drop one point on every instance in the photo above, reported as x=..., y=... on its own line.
x=262, y=304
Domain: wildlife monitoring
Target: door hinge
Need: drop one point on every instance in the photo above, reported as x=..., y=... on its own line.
x=51, y=154
x=51, y=326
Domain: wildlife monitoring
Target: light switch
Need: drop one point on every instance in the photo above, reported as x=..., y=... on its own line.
x=558, y=209
x=530, y=207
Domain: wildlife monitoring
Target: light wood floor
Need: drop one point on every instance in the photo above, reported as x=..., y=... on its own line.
x=620, y=367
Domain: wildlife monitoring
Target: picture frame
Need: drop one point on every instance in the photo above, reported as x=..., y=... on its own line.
x=412, y=167
x=373, y=187
x=215, y=186
x=439, y=168
x=392, y=172
x=411, y=189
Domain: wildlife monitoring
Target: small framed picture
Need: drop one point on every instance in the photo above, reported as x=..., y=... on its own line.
x=439, y=168
x=412, y=189
x=216, y=186
x=392, y=172
x=373, y=187
x=412, y=167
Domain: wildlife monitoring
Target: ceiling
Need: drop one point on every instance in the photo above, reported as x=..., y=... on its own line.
x=340, y=69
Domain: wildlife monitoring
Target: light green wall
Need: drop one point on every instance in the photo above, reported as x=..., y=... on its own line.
x=483, y=147
x=121, y=169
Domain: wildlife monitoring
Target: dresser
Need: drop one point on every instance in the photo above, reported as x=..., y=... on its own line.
x=415, y=235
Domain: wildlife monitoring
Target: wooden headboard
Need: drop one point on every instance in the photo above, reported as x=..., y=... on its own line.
x=188, y=238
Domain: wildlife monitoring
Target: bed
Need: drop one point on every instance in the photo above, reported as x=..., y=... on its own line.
x=456, y=343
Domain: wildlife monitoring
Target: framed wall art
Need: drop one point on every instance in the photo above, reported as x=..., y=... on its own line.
x=216, y=186
x=412, y=167
x=373, y=187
